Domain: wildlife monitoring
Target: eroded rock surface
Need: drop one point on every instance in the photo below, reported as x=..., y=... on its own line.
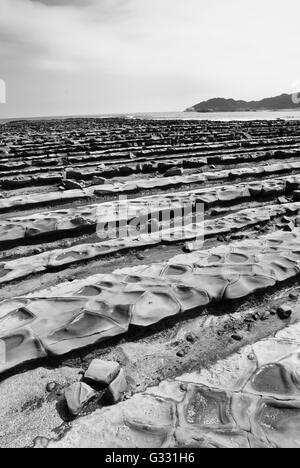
x=84, y=313
x=250, y=400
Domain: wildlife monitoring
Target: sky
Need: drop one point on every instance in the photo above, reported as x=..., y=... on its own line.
x=72, y=57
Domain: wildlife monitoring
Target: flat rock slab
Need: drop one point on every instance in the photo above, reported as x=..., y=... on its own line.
x=77, y=396
x=102, y=372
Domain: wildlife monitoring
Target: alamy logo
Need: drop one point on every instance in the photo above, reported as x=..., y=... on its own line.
x=2, y=92
x=154, y=219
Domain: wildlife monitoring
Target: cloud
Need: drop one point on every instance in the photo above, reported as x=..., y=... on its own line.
x=60, y=37
x=55, y=3
x=161, y=49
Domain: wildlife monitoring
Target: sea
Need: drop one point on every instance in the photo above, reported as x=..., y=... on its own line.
x=220, y=116
x=215, y=116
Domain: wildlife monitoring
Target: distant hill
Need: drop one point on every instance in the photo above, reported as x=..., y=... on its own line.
x=282, y=102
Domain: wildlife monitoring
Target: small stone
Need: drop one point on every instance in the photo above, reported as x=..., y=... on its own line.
x=293, y=296
x=286, y=220
x=190, y=338
x=180, y=353
x=251, y=357
x=284, y=312
x=77, y=396
x=117, y=388
x=37, y=251
x=265, y=316
x=102, y=372
x=188, y=247
x=51, y=386
x=237, y=337
x=41, y=443
x=140, y=256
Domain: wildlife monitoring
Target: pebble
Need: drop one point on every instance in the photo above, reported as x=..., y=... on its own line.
x=265, y=316
x=41, y=443
x=37, y=251
x=284, y=311
x=251, y=357
x=51, y=386
x=237, y=337
x=140, y=256
x=293, y=296
x=190, y=338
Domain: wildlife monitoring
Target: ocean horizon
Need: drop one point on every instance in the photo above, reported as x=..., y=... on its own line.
x=216, y=116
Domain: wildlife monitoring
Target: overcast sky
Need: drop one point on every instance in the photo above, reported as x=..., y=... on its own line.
x=66, y=57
